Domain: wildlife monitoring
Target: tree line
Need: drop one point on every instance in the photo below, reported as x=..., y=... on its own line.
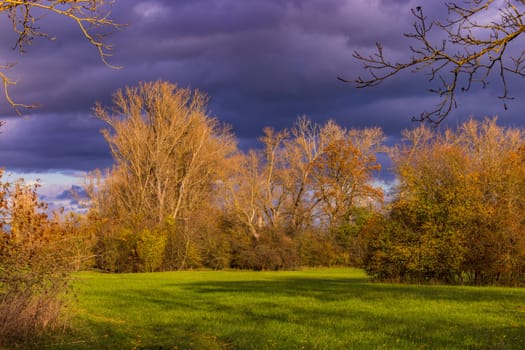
x=182, y=195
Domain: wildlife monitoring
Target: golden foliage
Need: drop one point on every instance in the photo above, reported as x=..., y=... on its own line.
x=35, y=261
x=459, y=212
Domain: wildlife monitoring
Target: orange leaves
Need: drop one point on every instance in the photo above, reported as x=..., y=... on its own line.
x=343, y=172
x=34, y=263
x=460, y=207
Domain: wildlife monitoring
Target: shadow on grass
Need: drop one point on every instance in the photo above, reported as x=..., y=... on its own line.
x=344, y=288
x=310, y=313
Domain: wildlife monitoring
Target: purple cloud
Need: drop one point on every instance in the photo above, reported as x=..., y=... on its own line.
x=263, y=62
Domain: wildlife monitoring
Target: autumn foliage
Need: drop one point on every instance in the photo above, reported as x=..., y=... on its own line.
x=36, y=257
x=182, y=195
x=458, y=215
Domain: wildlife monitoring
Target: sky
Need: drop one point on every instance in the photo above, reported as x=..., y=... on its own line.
x=262, y=62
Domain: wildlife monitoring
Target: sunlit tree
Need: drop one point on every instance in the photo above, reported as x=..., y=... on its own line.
x=168, y=155
x=458, y=215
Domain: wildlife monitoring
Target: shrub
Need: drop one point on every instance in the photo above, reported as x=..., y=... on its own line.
x=115, y=249
x=151, y=245
x=34, y=266
x=458, y=213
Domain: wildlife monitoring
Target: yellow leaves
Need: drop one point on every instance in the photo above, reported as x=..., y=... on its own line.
x=461, y=201
x=343, y=170
x=150, y=248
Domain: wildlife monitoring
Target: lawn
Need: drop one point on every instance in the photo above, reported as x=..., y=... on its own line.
x=312, y=309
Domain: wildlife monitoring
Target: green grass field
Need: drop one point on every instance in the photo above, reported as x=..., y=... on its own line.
x=313, y=309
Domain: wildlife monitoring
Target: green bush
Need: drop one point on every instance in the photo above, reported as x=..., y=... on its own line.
x=151, y=245
x=115, y=249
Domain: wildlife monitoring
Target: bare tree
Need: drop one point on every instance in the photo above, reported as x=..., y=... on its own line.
x=89, y=15
x=167, y=150
x=342, y=174
x=255, y=188
x=301, y=152
x=309, y=175
x=169, y=155
x=242, y=190
x=478, y=40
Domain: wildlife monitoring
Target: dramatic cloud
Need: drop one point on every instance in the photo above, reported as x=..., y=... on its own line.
x=263, y=62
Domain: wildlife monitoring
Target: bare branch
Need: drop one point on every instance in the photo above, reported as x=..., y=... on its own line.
x=89, y=15
x=475, y=48
x=6, y=82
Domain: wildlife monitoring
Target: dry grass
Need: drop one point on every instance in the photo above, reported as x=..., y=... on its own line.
x=31, y=304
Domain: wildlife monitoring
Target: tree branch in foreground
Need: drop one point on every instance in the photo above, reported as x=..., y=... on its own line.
x=89, y=15
x=475, y=47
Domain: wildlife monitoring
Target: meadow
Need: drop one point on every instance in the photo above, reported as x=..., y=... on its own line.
x=310, y=309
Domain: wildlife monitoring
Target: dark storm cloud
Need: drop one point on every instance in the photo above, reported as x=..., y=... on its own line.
x=263, y=62
x=40, y=142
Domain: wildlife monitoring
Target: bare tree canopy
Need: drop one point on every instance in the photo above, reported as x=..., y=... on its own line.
x=89, y=15
x=477, y=41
